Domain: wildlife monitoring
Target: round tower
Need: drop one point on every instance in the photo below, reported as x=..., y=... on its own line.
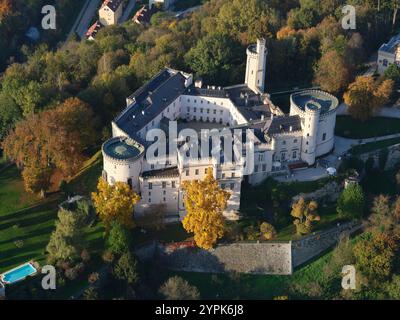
x=256, y=66
x=123, y=161
x=310, y=130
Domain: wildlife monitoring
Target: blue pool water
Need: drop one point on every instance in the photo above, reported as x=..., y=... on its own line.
x=19, y=273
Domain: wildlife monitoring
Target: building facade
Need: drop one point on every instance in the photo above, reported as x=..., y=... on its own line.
x=389, y=53
x=110, y=12
x=240, y=118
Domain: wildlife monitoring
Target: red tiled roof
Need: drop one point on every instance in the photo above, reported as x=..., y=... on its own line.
x=93, y=29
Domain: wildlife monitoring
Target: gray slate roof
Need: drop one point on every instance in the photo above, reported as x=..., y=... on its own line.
x=283, y=124
x=150, y=100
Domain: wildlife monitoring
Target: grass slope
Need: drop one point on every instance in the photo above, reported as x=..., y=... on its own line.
x=28, y=220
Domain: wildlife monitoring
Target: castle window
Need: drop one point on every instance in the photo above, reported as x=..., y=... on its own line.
x=188, y=100
x=197, y=172
x=324, y=137
x=149, y=200
x=208, y=110
x=201, y=110
x=187, y=173
x=215, y=111
x=222, y=185
x=188, y=109
x=130, y=183
x=195, y=101
x=223, y=176
x=294, y=154
x=295, y=141
x=232, y=186
x=233, y=175
x=164, y=192
x=173, y=184
x=150, y=185
x=164, y=199
x=195, y=109
x=264, y=167
x=283, y=142
x=164, y=184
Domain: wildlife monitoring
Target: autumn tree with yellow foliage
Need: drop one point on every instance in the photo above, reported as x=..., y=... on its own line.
x=365, y=96
x=205, y=202
x=305, y=213
x=115, y=203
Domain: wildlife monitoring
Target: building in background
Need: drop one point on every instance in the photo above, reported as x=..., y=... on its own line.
x=143, y=15
x=389, y=53
x=163, y=4
x=91, y=33
x=110, y=12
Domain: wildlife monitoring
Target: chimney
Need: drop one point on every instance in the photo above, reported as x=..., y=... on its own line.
x=198, y=83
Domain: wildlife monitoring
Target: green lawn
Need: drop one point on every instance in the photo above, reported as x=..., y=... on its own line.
x=348, y=127
x=373, y=146
x=27, y=221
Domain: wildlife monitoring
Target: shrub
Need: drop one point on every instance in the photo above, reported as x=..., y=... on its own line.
x=176, y=288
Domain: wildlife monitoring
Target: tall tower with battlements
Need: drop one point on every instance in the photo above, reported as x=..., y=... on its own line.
x=256, y=66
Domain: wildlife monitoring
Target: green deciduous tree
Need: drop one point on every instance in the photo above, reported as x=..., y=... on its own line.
x=351, y=202
x=126, y=269
x=66, y=241
x=118, y=239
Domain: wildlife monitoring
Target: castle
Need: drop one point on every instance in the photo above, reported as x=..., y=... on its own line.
x=173, y=99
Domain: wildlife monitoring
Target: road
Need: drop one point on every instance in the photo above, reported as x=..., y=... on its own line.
x=128, y=10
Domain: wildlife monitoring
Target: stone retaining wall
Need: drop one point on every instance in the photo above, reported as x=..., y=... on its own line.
x=278, y=258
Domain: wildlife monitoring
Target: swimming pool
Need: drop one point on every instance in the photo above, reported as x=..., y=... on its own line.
x=18, y=273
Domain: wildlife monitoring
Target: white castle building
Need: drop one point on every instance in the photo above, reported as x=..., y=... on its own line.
x=280, y=141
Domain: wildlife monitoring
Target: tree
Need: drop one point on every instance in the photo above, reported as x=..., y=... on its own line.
x=91, y=293
x=115, y=203
x=268, y=231
x=333, y=73
x=205, y=202
x=382, y=216
x=126, y=269
x=305, y=213
x=66, y=241
x=118, y=239
x=6, y=9
x=49, y=142
x=351, y=202
x=213, y=57
x=364, y=96
x=393, y=73
x=176, y=288
x=375, y=255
